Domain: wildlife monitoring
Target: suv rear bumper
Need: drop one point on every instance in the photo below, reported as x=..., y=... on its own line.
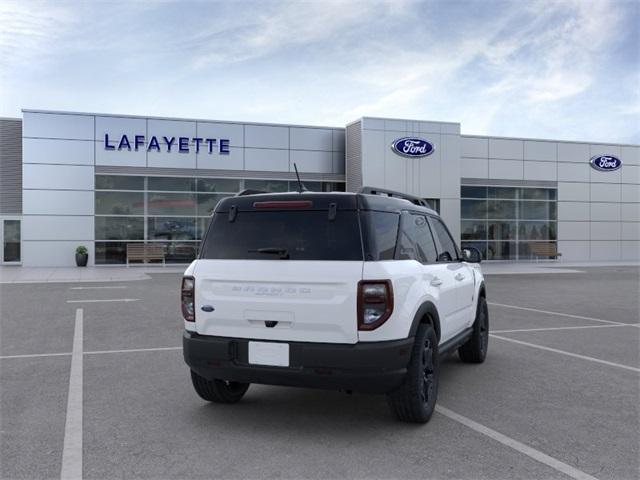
x=373, y=367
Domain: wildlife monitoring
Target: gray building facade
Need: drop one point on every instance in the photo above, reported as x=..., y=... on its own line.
x=109, y=181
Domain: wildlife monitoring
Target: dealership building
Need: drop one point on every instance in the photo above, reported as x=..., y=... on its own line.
x=110, y=182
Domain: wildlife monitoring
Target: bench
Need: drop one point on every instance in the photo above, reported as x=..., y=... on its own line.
x=544, y=249
x=144, y=252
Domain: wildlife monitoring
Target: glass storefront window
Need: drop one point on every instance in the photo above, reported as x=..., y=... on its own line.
x=207, y=203
x=218, y=185
x=119, y=228
x=172, y=204
x=171, y=184
x=119, y=182
x=267, y=185
x=171, y=228
x=518, y=217
x=119, y=203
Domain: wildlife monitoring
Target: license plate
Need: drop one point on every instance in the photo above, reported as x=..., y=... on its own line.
x=268, y=353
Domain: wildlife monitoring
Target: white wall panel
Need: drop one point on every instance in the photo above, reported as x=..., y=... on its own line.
x=338, y=162
x=312, y=161
x=630, y=231
x=428, y=127
x=577, y=192
x=57, y=202
x=605, y=212
x=266, y=160
x=70, y=152
x=311, y=139
x=630, y=250
x=176, y=159
x=630, y=212
x=474, y=147
x=536, y=150
x=68, y=177
x=630, y=174
x=450, y=171
x=397, y=125
x=506, y=149
x=234, y=132
x=474, y=167
x=603, y=192
x=573, y=152
x=630, y=155
x=373, y=123
x=573, y=211
x=630, y=193
x=607, y=250
x=232, y=161
x=50, y=125
x=430, y=172
x=574, y=172
x=596, y=149
x=53, y=253
x=450, y=128
x=574, y=251
x=171, y=128
x=57, y=227
x=605, y=177
x=540, y=171
x=373, y=158
x=262, y=136
x=450, y=212
x=115, y=127
x=605, y=231
x=573, y=230
x=506, y=169
x=124, y=157
x=338, y=144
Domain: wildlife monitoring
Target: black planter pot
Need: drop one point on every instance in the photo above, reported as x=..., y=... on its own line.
x=81, y=259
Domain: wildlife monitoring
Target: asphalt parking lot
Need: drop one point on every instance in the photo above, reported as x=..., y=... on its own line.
x=99, y=389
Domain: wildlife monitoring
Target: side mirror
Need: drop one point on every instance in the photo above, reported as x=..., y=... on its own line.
x=471, y=255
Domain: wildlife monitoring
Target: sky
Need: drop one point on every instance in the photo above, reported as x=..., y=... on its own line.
x=538, y=69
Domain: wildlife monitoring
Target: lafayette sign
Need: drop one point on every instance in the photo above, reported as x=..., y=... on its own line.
x=158, y=144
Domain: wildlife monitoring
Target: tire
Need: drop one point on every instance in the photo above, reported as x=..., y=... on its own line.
x=475, y=350
x=415, y=400
x=218, y=391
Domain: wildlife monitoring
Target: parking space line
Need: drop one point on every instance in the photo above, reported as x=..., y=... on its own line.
x=99, y=287
x=547, y=329
x=105, y=300
x=528, y=309
x=35, y=355
x=132, y=350
x=530, y=452
x=569, y=354
x=72, y=449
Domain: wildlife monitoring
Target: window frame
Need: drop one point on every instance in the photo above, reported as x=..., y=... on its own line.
x=439, y=247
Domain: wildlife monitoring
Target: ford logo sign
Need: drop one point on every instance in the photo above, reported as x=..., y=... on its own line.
x=606, y=163
x=412, y=147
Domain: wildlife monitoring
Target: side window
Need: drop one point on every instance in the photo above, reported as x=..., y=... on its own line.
x=448, y=251
x=416, y=241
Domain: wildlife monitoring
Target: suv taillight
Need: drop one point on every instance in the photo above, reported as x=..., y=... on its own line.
x=375, y=303
x=187, y=298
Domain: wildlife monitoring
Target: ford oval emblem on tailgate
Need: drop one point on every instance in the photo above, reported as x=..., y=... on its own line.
x=606, y=163
x=412, y=147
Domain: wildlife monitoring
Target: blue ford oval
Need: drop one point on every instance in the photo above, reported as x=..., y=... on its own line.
x=606, y=163
x=412, y=147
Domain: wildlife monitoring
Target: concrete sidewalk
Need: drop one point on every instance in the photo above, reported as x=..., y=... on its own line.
x=17, y=274
x=527, y=268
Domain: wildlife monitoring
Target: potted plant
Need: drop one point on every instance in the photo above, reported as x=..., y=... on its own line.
x=82, y=256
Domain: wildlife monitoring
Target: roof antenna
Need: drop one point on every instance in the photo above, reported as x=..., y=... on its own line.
x=301, y=187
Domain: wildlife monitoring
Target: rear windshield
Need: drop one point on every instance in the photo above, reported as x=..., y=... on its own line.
x=284, y=235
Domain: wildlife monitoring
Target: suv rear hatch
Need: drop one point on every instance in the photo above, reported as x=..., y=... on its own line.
x=281, y=267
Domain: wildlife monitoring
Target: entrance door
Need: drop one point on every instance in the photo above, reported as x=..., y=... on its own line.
x=10, y=233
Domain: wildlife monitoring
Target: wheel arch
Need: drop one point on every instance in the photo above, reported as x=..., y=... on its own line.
x=427, y=313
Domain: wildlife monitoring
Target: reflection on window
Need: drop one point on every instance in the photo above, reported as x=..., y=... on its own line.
x=119, y=203
x=503, y=222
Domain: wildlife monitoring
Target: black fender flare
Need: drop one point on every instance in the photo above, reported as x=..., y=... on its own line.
x=426, y=310
x=482, y=290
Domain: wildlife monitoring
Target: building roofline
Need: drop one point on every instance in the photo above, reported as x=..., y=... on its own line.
x=178, y=119
x=11, y=118
x=552, y=140
x=401, y=120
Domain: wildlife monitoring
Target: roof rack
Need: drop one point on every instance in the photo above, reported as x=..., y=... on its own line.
x=390, y=193
x=249, y=191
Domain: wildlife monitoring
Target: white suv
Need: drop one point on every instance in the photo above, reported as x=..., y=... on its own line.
x=350, y=291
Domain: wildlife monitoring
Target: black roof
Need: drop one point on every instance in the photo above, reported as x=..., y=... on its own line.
x=322, y=200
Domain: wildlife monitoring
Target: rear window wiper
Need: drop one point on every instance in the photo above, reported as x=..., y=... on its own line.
x=283, y=252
